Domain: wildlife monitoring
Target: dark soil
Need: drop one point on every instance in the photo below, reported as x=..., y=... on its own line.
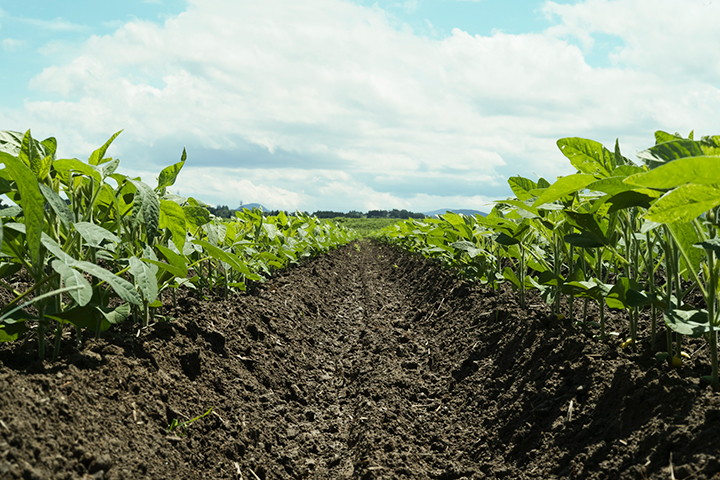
x=363, y=363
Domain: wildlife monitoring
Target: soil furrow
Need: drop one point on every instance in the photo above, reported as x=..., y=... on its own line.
x=364, y=363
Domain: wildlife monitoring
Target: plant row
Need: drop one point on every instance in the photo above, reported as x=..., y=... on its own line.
x=626, y=236
x=98, y=247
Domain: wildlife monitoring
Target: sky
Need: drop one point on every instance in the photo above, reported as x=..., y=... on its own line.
x=356, y=105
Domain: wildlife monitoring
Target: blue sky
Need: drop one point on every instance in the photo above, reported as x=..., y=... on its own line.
x=340, y=105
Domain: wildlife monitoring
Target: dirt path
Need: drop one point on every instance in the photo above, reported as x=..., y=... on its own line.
x=364, y=363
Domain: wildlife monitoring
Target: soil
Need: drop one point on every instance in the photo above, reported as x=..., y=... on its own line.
x=363, y=363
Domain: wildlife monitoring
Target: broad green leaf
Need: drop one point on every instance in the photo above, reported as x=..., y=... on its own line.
x=693, y=323
x=663, y=153
x=177, y=272
x=618, y=296
x=587, y=222
x=97, y=157
x=521, y=187
x=508, y=274
x=54, y=248
x=116, y=315
x=169, y=174
x=711, y=244
x=683, y=204
x=122, y=287
x=470, y=248
x=504, y=239
x=62, y=211
x=584, y=240
x=196, y=216
x=50, y=145
x=108, y=168
x=94, y=235
x=227, y=257
x=9, y=332
x=703, y=170
x=144, y=276
x=521, y=205
x=65, y=166
x=624, y=200
x=10, y=142
x=146, y=208
x=73, y=278
x=32, y=203
x=564, y=186
x=177, y=261
x=662, y=137
x=28, y=153
x=588, y=156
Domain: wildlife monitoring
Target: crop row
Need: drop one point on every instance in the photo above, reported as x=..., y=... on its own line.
x=98, y=247
x=626, y=236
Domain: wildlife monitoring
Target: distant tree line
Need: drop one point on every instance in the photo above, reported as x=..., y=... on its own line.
x=394, y=213
x=225, y=212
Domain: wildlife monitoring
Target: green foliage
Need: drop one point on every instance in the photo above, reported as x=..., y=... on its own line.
x=86, y=242
x=611, y=215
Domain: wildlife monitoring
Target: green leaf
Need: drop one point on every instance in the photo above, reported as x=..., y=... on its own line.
x=9, y=332
x=470, y=248
x=97, y=156
x=508, y=274
x=564, y=186
x=50, y=145
x=506, y=240
x=73, y=278
x=169, y=174
x=618, y=296
x=588, y=156
x=32, y=203
x=662, y=137
x=521, y=187
x=665, y=152
x=625, y=200
x=146, y=208
x=94, y=235
x=10, y=142
x=585, y=240
x=65, y=166
x=62, y=211
x=711, y=244
x=704, y=170
x=54, y=248
x=693, y=323
x=109, y=168
x=683, y=204
x=116, y=315
x=177, y=261
x=144, y=275
x=196, y=216
x=228, y=258
x=122, y=287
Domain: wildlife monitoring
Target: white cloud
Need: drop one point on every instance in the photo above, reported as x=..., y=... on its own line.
x=12, y=44
x=330, y=86
x=56, y=24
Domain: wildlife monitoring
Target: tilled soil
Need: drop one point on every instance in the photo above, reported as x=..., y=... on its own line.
x=363, y=363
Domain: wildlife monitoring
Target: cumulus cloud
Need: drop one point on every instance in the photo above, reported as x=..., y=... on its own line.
x=370, y=111
x=12, y=44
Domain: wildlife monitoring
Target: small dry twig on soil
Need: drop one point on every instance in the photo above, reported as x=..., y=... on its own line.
x=254, y=474
x=672, y=471
x=570, y=411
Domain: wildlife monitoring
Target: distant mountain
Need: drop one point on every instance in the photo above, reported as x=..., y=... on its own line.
x=250, y=206
x=464, y=211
